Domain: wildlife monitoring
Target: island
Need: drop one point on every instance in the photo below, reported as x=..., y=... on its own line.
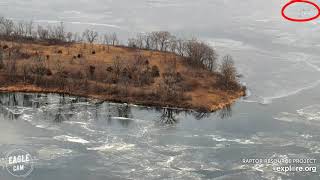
x=151, y=69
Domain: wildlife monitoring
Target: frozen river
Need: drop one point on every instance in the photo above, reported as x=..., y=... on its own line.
x=78, y=139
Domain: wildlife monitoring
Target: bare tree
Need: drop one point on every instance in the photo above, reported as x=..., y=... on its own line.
x=209, y=58
x=19, y=30
x=1, y=19
x=132, y=43
x=90, y=35
x=173, y=44
x=43, y=34
x=7, y=26
x=29, y=28
x=154, y=40
x=164, y=38
x=181, y=47
x=38, y=69
x=114, y=39
x=107, y=41
x=117, y=66
x=69, y=37
x=228, y=72
x=169, y=85
x=57, y=33
x=60, y=32
x=161, y=38
x=147, y=41
x=76, y=37
x=24, y=30
x=139, y=41
x=200, y=54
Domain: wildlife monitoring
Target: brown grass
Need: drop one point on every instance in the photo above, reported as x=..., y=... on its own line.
x=200, y=89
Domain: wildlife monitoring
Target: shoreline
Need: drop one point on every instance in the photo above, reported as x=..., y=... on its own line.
x=20, y=88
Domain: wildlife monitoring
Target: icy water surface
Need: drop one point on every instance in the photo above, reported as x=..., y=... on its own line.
x=78, y=139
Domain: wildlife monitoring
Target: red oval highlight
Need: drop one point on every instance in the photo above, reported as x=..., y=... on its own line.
x=300, y=20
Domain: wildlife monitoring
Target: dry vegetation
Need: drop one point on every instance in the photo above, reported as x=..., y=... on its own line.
x=154, y=69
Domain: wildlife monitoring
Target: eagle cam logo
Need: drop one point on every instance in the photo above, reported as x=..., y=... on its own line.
x=19, y=163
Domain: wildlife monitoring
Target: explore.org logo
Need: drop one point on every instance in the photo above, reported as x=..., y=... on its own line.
x=19, y=163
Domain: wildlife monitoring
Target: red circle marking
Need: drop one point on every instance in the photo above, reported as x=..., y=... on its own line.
x=300, y=20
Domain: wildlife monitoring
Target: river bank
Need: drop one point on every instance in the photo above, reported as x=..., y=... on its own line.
x=34, y=89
